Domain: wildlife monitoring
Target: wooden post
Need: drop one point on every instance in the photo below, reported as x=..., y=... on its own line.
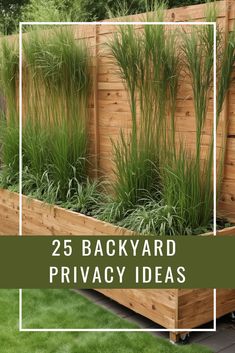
x=174, y=336
x=96, y=107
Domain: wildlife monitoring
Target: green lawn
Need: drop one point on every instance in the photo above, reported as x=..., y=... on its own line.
x=64, y=308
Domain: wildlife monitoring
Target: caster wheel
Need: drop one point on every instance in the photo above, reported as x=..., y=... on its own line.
x=184, y=338
x=232, y=316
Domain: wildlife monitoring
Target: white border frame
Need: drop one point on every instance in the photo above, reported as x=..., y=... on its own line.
x=21, y=329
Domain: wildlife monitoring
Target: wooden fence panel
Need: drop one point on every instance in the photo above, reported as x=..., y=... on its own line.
x=114, y=111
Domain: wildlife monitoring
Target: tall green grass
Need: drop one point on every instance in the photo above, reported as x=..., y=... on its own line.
x=188, y=177
x=134, y=165
x=149, y=66
x=57, y=88
x=176, y=196
x=161, y=187
x=226, y=55
x=9, y=127
x=199, y=64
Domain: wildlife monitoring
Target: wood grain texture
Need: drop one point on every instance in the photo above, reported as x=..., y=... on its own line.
x=171, y=308
x=195, y=307
x=43, y=219
x=9, y=213
x=158, y=305
x=114, y=111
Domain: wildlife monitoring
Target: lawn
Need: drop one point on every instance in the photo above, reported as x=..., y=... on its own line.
x=64, y=308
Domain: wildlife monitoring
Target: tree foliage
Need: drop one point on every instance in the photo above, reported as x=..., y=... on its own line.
x=11, y=12
x=178, y=3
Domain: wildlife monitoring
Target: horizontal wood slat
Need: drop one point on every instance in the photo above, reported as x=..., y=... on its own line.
x=171, y=308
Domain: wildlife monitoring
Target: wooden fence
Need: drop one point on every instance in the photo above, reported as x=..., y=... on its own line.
x=109, y=105
x=112, y=111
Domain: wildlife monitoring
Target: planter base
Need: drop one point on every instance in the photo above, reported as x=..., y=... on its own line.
x=170, y=308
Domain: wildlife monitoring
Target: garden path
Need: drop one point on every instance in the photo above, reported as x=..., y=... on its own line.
x=221, y=341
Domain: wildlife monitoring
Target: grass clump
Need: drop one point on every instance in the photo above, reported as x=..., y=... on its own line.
x=148, y=67
x=135, y=167
x=9, y=127
x=154, y=218
x=154, y=160
x=85, y=197
x=226, y=55
x=187, y=178
x=58, y=84
x=193, y=172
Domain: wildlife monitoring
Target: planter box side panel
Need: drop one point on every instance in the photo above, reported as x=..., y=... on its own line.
x=225, y=301
x=42, y=219
x=186, y=308
x=158, y=305
x=9, y=213
x=195, y=307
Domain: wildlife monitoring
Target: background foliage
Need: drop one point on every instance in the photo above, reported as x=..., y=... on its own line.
x=11, y=12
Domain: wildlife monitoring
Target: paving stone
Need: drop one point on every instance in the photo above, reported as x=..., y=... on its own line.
x=142, y=322
x=230, y=349
x=221, y=341
x=117, y=309
x=197, y=337
x=95, y=297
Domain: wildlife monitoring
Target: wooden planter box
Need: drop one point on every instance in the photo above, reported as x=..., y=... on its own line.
x=171, y=308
